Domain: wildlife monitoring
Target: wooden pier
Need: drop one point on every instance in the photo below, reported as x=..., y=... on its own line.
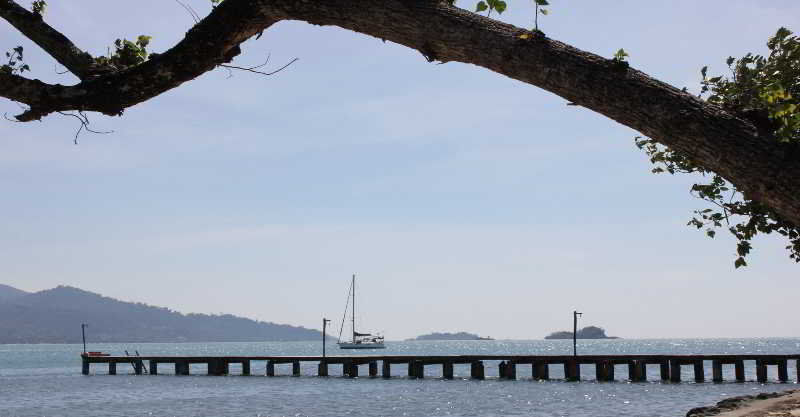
x=669, y=365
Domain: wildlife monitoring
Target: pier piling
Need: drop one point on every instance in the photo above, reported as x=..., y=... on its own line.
x=137, y=367
x=246, y=367
x=181, y=368
x=322, y=368
x=716, y=371
x=783, y=371
x=296, y=368
x=699, y=372
x=387, y=369
x=112, y=368
x=477, y=371
x=373, y=369
x=540, y=371
x=511, y=370
x=447, y=370
x=85, y=368
x=738, y=367
x=664, y=369
x=270, y=368
x=572, y=370
x=761, y=371
x=674, y=370
x=153, y=368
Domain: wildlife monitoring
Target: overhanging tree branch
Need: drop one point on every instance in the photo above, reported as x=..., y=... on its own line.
x=721, y=142
x=52, y=41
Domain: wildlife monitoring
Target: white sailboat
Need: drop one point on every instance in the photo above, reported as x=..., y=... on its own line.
x=359, y=340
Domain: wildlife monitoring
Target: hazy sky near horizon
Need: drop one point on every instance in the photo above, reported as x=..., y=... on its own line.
x=462, y=199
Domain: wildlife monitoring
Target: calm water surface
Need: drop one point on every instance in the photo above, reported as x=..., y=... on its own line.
x=45, y=380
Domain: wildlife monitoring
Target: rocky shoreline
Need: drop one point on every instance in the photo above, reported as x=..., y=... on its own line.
x=759, y=404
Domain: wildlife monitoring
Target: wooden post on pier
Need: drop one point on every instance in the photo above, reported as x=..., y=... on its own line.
x=112, y=368
x=322, y=368
x=540, y=370
x=640, y=371
x=501, y=369
x=353, y=370
x=699, y=372
x=637, y=371
x=716, y=371
x=476, y=371
x=181, y=368
x=783, y=371
x=674, y=370
x=137, y=367
x=664, y=365
x=511, y=370
x=153, y=368
x=447, y=370
x=797, y=364
x=85, y=368
x=761, y=371
x=295, y=368
x=419, y=369
x=246, y=367
x=270, y=368
x=387, y=369
x=604, y=371
x=218, y=367
x=572, y=370
x=373, y=369
x=416, y=369
x=739, y=370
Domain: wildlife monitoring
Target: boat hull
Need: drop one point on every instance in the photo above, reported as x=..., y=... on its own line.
x=361, y=346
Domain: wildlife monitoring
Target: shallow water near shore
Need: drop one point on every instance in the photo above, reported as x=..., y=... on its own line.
x=45, y=380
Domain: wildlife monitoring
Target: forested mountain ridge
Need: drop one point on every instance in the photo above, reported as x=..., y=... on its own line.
x=8, y=292
x=55, y=316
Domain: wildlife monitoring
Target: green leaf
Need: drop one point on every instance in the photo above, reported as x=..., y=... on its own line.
x=739, y=263
x=542, y=2
x=543, y=11
x=500, y=6
x=481, y=6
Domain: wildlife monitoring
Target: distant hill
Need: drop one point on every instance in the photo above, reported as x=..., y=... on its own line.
x=55, y=315
x=7, y=292
x=589, y=332
x=451, y=336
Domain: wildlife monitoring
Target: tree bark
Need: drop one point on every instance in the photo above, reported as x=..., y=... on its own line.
x=764, y=170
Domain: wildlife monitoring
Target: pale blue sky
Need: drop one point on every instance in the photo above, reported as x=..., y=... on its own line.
x=463, y=200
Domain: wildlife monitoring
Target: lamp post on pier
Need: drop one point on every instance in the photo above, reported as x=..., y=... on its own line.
x=83, y=335
x=575, y=315
x=324, y=338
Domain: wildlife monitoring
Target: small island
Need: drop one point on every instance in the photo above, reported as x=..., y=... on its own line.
x=589, y=332
x=451, y=336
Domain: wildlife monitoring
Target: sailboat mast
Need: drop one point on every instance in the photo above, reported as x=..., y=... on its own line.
x=353, y=283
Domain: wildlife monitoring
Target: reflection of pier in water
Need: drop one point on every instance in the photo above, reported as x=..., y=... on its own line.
x=604, y=365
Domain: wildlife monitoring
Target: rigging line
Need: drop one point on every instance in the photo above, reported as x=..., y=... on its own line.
x=346, y=306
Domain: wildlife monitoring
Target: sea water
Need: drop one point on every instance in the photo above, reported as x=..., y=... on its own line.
x=46, y=380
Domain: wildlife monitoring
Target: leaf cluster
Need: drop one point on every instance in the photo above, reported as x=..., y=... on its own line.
x=497, y=5
x=15, y=63
x=39, y=6
x=126, y=53
x=764, y=90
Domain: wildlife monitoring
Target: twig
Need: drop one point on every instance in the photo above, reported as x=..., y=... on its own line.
x=253, y=69
x=84, y=124
x=55, y=69
x=189, y=10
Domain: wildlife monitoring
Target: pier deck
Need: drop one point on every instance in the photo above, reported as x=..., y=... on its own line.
x=669, y=365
